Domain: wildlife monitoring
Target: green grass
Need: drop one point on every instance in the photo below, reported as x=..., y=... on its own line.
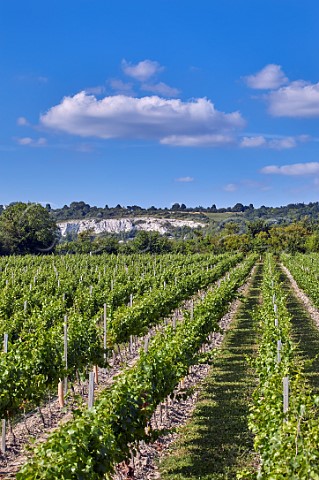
x=216, y=442
x=305, y=334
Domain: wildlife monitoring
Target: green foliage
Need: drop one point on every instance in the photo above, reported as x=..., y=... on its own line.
x=150, y=242
x=287, y=442
x=27, y=228
x=160, y=302
x=305, y=270
x=78, y=287
x=89, y=446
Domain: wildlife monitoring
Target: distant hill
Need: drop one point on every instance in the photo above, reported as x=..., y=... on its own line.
x=212, y=218
x=291, y=212
x=287, y=213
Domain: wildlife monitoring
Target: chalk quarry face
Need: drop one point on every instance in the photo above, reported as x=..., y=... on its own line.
x=160, y=225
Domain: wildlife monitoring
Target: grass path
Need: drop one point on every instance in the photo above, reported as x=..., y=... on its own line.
x=216, y=442
x=305, y=334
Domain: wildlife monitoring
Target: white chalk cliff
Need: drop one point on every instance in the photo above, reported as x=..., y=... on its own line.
x=161, y=225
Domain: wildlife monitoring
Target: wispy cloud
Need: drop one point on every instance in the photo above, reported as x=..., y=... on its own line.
x=274, y=142
x=161, y=89
x=209, y=140
x=22, y=122
x=185, y=179
x=169, y=121
x=143, y=70
x=295, y=169
x=32, y=78
x=230, y=187
x=99, y=90
x=253, y=142
x=120, y=87
x=31, y=142
x=247, y=184
x=269, y=78
x=282, y=143
x=84, y=148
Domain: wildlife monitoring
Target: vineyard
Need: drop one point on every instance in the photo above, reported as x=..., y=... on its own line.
x=97, y=350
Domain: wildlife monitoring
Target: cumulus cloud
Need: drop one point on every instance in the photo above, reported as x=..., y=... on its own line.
x=185, y=179
x=269, y=78
x=170, y=121
x=161, y=89
x=298, y=99
x=141, y=71
x=295, y=169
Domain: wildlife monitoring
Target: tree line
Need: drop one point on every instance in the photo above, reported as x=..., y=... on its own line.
x=31, y=228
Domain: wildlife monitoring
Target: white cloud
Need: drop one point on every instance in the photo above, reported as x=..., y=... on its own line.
x=210, y=140
x=32, y=78
x=245, y=185
x=84, y=148
x=295, y=169
x=28, y=141
x=170, y=121
x=161, y=89
x=275, y=143
x=231, y=187
x=254, y=185
x=185, y=179
x=282, y=143
x=42, y=79
x=141, y=71
x=121, y=87
x=22, y=121
x=269, y=78
x=253, y=142
x=95, y=90
x=24, y=141
x=299, y=99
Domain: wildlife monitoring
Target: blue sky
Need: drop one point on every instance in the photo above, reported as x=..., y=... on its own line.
x=152, y=103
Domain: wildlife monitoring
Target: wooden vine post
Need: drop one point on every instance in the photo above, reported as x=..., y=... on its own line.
x=65, y=351
x=3, y=435
x=91, y=389
x=285, y=382
x=104, y=332
x=96, y=374
x=63, y=384
x=279, y=345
